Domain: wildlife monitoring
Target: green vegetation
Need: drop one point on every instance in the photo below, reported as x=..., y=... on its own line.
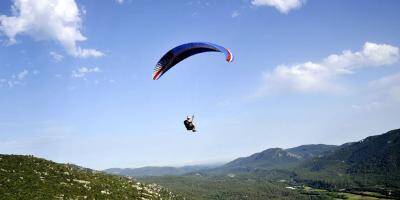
x=198, y=187
x=325, y=194
x=372, y=164
x=27, y=177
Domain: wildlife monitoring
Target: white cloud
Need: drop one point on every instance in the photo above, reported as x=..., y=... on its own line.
x=56, y=56
x=319, y=76
x=84, y=71
x=371, y=55
x=58, y=20
x=120, y=1
x=283, y=6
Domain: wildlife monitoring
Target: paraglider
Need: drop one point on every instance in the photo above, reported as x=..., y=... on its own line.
x=189, y=124
x=179, y=53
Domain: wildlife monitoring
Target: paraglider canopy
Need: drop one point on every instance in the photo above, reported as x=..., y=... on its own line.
x=179, y=53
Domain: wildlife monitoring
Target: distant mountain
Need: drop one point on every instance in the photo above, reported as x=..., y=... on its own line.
x=27, y=177
x=274, y=158
x=157, y=171
x=268, y=159
x=373, y=162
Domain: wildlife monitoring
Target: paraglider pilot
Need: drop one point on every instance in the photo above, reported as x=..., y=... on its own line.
x=189, y=124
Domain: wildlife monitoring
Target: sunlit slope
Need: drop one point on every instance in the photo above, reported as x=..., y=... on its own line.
x=274, y=158
x=373, y=162
x=27, y=177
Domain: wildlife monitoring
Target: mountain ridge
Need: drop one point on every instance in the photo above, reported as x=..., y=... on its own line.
x=274, y=158
x=158, y=170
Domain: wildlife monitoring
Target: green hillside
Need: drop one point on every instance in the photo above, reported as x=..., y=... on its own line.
x=198, y=187
x=372, y=163
x=27, y=177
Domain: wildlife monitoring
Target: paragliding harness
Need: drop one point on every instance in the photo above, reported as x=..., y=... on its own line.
x=189, y=124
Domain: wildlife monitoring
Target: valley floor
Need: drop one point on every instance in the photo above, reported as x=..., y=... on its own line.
x=214, y=187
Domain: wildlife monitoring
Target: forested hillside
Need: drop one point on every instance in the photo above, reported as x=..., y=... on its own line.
x=27, y=177
x=372, y=163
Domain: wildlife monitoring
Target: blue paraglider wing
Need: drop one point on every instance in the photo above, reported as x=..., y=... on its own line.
x=179, y=53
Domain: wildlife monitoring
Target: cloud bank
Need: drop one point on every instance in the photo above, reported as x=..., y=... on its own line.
x=58, y=20
x=319, y=76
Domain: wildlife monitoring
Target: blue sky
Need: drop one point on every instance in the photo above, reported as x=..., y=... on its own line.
x=75, y=78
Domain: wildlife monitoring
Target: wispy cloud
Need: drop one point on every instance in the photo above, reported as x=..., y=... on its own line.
x=58, y=76
x=319, y=76
x=15, y=79
x=283, y=6
x=84, y=71
x=22, y=75
x=120, y=1
x=58, y=20
x=387, y=87
x=56, y=56
x=380, y=94
x=369, y=106
x=235, y=14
